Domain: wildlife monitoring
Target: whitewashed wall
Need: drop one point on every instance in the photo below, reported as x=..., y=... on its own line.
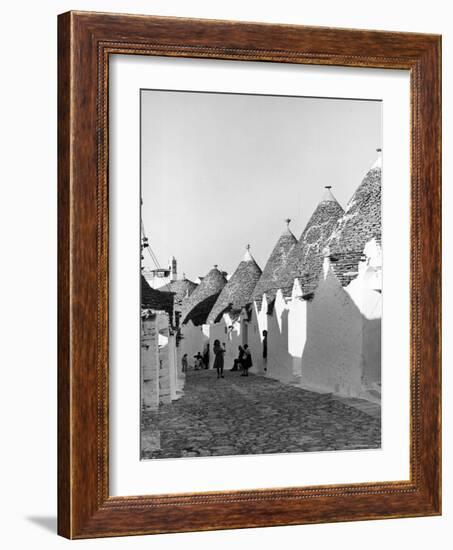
x=149, y=359
x=343, y=350
x=279, y=359
x=297, y=330
x=159, y=376
x=255, y=343
x=194, y=340
x=331, y=360
x=365, y=291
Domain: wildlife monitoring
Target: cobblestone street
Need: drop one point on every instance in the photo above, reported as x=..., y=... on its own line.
x=253, y=415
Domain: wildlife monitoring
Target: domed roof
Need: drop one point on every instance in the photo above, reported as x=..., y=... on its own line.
x=182, y=289
x=210, y=286
x=306, y=257
x=360, y=223
x=238, y=291
x=272, y=277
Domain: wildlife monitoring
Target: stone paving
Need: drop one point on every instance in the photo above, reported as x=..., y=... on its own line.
x=253, y=415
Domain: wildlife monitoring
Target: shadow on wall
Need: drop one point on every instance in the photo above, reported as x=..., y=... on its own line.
x=343, y=349
x=280, y=361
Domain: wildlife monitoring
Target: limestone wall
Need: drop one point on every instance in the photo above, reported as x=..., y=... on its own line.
x=194, y=339
x=343, y=331
x=279, y=359
x=255, y=343
x=149, y=360
x=260, y=312
x=297, y=331
x=332, y=358
x=366, y=292
x=159, y=376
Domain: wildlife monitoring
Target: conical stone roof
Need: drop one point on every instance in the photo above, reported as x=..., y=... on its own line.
x=182, y=289
x=272, y=277
x=360, y=223
x=306, y=257
x=237, y=293
x=202, y=297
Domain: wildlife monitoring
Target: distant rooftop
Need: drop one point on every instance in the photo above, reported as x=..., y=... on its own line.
x=237, y=293
x=306, y=257
x=210, y=286
x=360, y=223
x=272, y=277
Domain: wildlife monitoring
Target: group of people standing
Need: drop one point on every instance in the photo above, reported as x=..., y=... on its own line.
x=243, y=361
x=199, y=361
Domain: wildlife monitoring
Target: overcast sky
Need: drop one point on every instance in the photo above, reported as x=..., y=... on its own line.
x=220, y=171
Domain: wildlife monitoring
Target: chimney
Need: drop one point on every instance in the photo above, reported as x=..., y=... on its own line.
x=172, y=266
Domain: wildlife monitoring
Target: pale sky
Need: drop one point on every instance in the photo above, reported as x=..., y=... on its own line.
x=220, y=171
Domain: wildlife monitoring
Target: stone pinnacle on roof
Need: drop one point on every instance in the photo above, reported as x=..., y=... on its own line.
x=237, y=293
x=306, y=258
x=327, y=196
x=288, y=230
x=360, y=224
x=272, y=276
x=200, y=302
x=247, y=256
x=378, y=161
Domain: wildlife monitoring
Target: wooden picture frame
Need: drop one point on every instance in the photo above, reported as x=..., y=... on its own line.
x=85, y=42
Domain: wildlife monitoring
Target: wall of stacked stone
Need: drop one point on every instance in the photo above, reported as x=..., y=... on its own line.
x=306, y=257
x=165, y=353
x=360, y=224
x=149, y=360
x=158, y=361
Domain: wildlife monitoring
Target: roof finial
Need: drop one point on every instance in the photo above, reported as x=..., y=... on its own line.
x=327, y=196
x=216, y=266
x=288, y=221
x=378, y=162
x=247, y=255
x=183, y=276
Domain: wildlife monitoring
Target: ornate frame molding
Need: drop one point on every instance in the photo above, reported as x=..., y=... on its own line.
x=86, y=40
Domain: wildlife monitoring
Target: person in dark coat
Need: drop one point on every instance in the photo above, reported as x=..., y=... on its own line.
x=184, y=362
x=265, y=350
x=198, y=361
x=247, y=361
x=206, y=356
x=218, y=358
x=238, y=361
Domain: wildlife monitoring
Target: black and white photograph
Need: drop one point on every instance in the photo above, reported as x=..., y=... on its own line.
x=260, y=260
x=226, y=256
